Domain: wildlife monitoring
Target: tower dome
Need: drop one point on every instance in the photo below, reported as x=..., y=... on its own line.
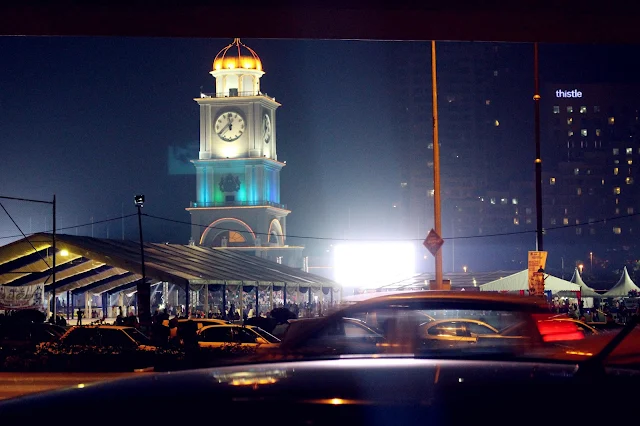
x=237, y=55
x=237, y=70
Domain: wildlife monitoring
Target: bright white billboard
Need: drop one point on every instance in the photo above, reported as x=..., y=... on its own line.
x=373, y=264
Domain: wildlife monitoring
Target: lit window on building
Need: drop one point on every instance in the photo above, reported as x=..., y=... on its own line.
x=516, y=221
x=629, y=210
x=579, y=191
x=583, y=110
x=503, y=201
x=616, y=151
x=403, y=184
x=556, y=109
x=496, y=123
x=565, y=221
x=611, y=120
x=430, y=146
x=616, y=162
x=616, y=190
x=569, y=133
x=615, y=171
x=552, y=181
x=553, y=220
x=628, y=180
x=577, y=221
x=576, y=171
x=617, y=230
x=570, y=120
x=629, y=151
x=617, y=201
x=598, y=132
x=569, y=109
x=528, y=210
x=602, y=181
x=493, y=200
x=495, y=73
x=487, y=102
x=578, y=231
x=566, y=211
x=528, y=221
x=596, y=108
x=514, y=201
x=629, y=162
x=583, y=132
x=592, y=231
x=432, y=192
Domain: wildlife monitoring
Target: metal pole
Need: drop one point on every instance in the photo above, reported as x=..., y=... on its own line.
x=53, y=267
x=436, y=165
x=143, y=288
x=536, y=99
x=255, y=312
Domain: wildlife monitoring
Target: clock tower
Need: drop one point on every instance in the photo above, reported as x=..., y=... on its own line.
x=237, y=204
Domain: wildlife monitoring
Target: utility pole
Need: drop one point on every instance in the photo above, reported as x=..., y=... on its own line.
x=436, y=166
x=536, y=100
x=53, y=262
x=144, y=290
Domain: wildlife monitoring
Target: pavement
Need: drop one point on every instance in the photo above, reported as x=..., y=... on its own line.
x=18, y=384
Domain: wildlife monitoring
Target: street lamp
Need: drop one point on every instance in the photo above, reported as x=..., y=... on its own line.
x=144, y=296
x=591, y=260
x=464, y=268
x=580, y=266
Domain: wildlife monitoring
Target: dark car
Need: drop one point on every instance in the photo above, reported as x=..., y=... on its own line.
x=115, y=336
x=27, y=335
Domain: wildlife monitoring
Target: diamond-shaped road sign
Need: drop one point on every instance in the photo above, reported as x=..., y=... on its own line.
x=433, y=242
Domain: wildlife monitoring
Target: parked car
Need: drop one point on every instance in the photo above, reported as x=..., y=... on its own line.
x=213, y=336
x=98, y=336
x=28, y=335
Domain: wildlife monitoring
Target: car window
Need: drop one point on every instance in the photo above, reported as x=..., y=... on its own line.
x=266, y=336
x=357, y=330
x=243, y=335
x=81, y=336
x=115, y=337
x=476, y=328
x=448, y=329
x=140, y=338
x=216, y=334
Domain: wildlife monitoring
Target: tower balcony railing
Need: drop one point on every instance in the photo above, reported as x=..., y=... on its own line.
x=203, y=204
x=235, y=95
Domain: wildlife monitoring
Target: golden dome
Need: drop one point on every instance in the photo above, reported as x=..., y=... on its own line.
x=237, y=55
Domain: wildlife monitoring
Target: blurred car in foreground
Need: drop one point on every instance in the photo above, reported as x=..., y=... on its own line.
x=213, y=336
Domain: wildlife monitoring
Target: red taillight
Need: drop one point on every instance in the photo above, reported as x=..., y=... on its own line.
x=553, y=331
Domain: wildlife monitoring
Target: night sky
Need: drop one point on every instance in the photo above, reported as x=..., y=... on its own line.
x=91, y=120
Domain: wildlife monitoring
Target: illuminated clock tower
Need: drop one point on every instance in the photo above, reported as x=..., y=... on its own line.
x=237, y=203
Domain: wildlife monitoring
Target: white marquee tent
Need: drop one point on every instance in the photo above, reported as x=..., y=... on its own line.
x=585, y=290
x=519, y=281
x=622, y=288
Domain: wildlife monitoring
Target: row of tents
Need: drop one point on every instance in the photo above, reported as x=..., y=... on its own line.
x=519, y=282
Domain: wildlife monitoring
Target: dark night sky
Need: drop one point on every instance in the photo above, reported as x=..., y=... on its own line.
x=91, y=119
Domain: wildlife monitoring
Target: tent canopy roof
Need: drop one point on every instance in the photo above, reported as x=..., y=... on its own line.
x=623, y=287
x=519, y=281
x=104, y=265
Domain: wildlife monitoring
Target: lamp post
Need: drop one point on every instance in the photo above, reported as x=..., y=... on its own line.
x=591, y=262
x=580, y=266
x=143, y=289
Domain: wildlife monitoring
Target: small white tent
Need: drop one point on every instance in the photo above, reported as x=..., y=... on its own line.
x=623, y=287
x=585, y=290
x=520, y=281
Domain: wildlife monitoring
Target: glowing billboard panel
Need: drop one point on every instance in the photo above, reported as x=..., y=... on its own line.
x=373, y=264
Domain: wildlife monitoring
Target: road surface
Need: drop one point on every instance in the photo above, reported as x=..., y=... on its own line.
x=17, y=384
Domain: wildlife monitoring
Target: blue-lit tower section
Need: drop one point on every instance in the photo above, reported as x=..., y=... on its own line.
x=237, y=202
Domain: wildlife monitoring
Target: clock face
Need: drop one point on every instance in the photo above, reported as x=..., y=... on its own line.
x=266, y=128
x=229, y=126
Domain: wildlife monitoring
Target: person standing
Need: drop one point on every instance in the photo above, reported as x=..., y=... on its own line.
x=79, y=315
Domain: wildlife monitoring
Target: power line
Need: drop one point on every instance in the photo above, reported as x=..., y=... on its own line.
x=531, y=231
x=78, y=226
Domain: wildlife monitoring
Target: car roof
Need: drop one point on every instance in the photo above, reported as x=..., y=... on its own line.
x=108, y=327
x=453, y=296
